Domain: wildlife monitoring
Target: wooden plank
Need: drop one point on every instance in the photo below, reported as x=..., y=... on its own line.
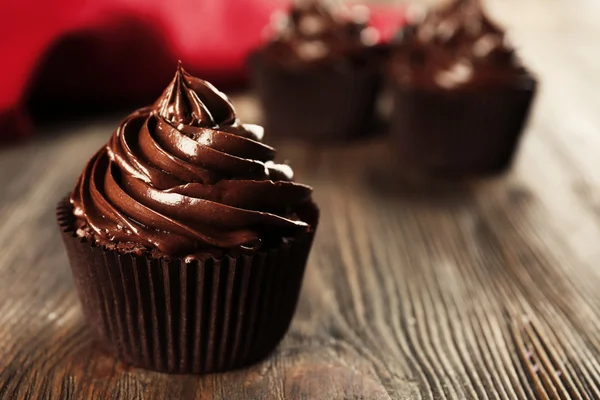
x=480, y=290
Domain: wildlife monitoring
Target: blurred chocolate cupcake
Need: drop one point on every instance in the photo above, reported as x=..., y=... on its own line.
x=187, y=242
x=461, y=95
x=319, y=75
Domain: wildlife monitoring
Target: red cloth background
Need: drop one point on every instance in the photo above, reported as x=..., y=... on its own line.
x=119, y=51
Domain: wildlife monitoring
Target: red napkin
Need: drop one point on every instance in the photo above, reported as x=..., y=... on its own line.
x=118, y=51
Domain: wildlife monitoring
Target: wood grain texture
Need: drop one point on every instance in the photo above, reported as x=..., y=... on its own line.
x=480, y=290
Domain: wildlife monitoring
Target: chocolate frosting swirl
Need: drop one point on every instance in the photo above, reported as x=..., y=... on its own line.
x=456, y=46
x=318, y=32
x=185, y=176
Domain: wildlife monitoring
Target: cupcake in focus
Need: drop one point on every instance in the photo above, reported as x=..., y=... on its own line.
x=461, y=94
x=319, y=74
x=187, y=242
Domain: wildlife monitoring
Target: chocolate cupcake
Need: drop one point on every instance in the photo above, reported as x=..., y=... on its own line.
x=187, y=242
x=319, y=75
x=461, y=95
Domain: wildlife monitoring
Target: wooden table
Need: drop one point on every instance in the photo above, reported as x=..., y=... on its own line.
x=480, y=290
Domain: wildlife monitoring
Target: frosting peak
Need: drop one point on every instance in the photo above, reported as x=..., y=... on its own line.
x=184, y=176
x=194, y=102
x=456, y=46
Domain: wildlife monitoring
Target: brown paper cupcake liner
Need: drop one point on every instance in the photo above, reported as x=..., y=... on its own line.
x=456, y=133
x=199, y=317
x=329, y=104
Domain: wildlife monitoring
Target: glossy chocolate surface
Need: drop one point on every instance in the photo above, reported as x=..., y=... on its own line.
x=184, y=175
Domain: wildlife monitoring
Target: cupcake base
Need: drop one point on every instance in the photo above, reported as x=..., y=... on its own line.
x=459, y=133
x=204, y=316
x=328, y=103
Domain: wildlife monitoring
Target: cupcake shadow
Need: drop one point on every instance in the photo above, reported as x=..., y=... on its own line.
x=419, y=189
x=384, y=176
